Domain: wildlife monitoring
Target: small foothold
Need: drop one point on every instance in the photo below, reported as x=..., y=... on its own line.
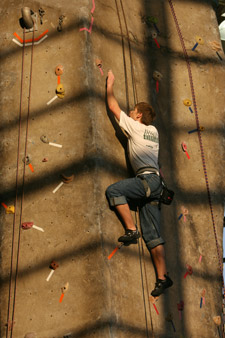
x=45, y=160
x=189, y=269
x=184, y=211
x=153, y=299
x=59, y=28
x=60, y=91
x=184, y=146
x=41, y=13
x=157, y=75
x=60, y=96
x=54, y=265
x=169, y=317
x=180, y=306
x=217, y=320
x=216, y=46
x=65, y=288
x=98, y=63
x=60, y=88
x=203, y=292
x=44, y=139
x=59, y=70
x=27, y=160
x=151, y=19
x=10, y=209
x=187, y=102
x=153, y=34
x=27, y=225
x=199, y=40
x=67, y=179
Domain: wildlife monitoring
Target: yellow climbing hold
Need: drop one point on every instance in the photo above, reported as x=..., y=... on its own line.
x=187, y=102
x=10, y=209
x=60, y=88
x=199, y=40
x=60, y=96
x=60, y=91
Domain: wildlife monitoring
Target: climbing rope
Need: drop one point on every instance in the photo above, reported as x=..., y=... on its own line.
x=142, y=257
x=199, y=137
x=124, y=59
x=17, y=171
x=131, y=59
x=10, y=325
x=135, y=96
x=142, y=284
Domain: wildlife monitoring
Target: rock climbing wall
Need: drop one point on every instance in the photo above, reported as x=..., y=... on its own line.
x=87, y=292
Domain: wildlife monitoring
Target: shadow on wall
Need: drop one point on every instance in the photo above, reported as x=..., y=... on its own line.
x=92, y=247
x=114, y=326
x=82, y=95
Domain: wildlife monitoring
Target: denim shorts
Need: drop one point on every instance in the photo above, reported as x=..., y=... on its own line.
x=132, y=191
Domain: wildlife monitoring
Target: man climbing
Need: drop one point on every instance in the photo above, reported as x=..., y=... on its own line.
x=145, y=188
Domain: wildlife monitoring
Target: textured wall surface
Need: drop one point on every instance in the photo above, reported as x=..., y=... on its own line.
x=105, y=297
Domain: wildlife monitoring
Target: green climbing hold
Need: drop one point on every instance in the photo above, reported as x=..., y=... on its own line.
x=151, y=19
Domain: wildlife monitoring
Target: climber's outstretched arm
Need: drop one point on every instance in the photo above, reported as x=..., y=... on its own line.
x=111, y=100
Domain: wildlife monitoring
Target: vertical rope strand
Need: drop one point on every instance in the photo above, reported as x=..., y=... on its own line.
x=16, y=193
x=145, y=271
x=22, y=199
x=124, y=58
x=142, y=280
x=131, y=59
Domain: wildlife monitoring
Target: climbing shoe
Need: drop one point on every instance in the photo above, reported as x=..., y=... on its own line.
x=161, y=285
x=134, y=241
x=129, y=235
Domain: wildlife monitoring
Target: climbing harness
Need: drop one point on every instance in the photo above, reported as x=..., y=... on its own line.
x=200, y=138
x=147, y=169
x=146, y=186
x=10, y=323
x=166, y=196
x=139, y=174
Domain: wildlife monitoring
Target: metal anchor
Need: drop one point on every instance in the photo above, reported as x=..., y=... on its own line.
x=59, y=28
x=41, y=14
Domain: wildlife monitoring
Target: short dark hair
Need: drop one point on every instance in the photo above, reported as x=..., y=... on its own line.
x=148, y=113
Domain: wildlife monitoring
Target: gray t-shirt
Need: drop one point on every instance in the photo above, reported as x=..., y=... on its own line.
x=143, y=143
